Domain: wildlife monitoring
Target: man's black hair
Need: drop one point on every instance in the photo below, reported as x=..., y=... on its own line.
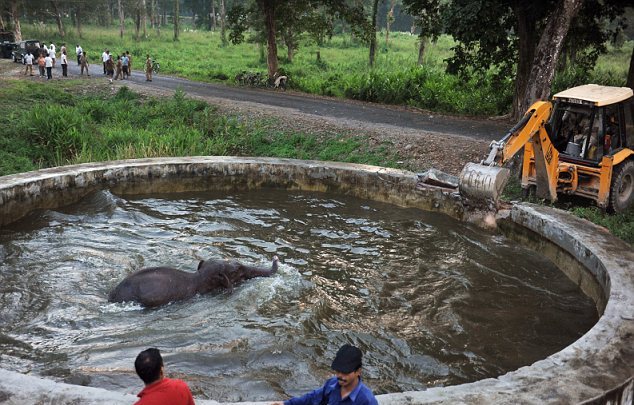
x=148, y=365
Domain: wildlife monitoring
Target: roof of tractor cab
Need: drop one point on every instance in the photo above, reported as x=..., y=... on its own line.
x=596, y=94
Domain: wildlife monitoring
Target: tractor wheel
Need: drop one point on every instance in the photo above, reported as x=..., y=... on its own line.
x=622, y=188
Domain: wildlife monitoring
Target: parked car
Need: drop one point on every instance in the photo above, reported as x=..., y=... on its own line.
x=23, y=47
x=7, y=36
x=7, y=48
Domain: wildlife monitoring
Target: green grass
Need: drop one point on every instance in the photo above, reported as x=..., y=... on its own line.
x=341, y=72
x=58, y=126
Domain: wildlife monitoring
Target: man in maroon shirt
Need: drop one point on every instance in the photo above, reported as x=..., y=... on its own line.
x=158, y=389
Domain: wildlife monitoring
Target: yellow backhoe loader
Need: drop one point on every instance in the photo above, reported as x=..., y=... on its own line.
x=580, y=144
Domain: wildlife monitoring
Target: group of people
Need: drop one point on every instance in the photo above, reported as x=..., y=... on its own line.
x=123, y=65
x=46, y=59
x=345, y=387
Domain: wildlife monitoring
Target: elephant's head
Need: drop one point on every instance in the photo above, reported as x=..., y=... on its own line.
x=220, y=273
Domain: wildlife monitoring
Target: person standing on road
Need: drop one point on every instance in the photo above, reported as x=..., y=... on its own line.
x=41, y=64
x=124, y=63
x=148, y=69
x=49, y=67
x=51, y=51
x=84, y=63
x=28, y=59
x=110, y=67
x=105, y=55
x=129, y=62
x=118, y=68
x=64, y=63
x=79, y=51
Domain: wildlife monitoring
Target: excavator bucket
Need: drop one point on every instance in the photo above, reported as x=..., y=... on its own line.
x=481, y=183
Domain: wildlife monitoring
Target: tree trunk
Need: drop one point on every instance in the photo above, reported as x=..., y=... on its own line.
x=375, y=6
x=212, y=16
x=110, y=18
x=78, y=21
x=290, y=46
x=223, y=25
x=547, y=52
x=422, y=43
x=3, y=26
x=388, y=23
x=152, y=10
x=58, y=19
x=15, y=16
x=526, y=33
x=176, y=20
x=268, y=8
x=137, y=22
x=144, y=17
x=121, y=19
x=159, y=23
x=630, y=74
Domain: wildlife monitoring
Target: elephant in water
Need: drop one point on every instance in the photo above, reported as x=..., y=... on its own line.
x=156, y=286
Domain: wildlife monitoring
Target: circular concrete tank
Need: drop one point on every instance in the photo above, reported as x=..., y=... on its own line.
x=598, y=365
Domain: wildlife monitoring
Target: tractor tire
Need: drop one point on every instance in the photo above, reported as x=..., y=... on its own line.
x=622, y=188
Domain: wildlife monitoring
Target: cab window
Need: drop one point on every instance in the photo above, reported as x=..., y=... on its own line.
x=628, y=111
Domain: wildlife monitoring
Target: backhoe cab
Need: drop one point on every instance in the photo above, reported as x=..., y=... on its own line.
x=580, y=145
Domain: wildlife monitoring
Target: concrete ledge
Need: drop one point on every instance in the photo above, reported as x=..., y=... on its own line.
x=603, y=266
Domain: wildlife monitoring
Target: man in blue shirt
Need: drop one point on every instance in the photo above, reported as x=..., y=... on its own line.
x=345, y=388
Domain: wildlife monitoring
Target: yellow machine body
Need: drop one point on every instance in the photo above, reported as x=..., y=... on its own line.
x=557, y=161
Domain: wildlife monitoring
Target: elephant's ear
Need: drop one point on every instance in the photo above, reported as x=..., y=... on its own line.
x=226, y=283
x=200, y=264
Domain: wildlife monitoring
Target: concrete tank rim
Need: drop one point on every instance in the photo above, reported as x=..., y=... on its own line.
x=575, y=368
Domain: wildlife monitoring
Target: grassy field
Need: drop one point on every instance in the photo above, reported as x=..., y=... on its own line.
x=341, y=71
x=67, y=122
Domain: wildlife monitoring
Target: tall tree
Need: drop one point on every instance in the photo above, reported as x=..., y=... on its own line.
x=388, y=22
x=372, y=56
x=176, y=20
x=140, y=22
x=504, y=35
x=144, y=17
x=548, y=51
x=223, y=23
x=212, y=16
x=14, y=10
x=58, y=18
x=121, y=18
x=268, y=10
x=426, y=15
x=266, y=17
x=79, y=18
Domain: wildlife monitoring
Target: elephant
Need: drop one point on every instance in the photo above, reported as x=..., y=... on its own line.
x=156, y=286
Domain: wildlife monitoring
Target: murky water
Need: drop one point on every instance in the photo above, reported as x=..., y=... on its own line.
x=431, y=301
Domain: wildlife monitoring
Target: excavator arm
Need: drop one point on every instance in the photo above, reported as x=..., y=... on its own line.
x=485, y=181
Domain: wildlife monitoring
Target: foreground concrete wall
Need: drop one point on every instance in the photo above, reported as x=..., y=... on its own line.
x=599, y=365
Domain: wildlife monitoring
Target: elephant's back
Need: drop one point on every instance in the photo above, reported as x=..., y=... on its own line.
x=154, y=286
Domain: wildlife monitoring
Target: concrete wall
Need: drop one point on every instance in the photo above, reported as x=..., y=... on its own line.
x=599, y=365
